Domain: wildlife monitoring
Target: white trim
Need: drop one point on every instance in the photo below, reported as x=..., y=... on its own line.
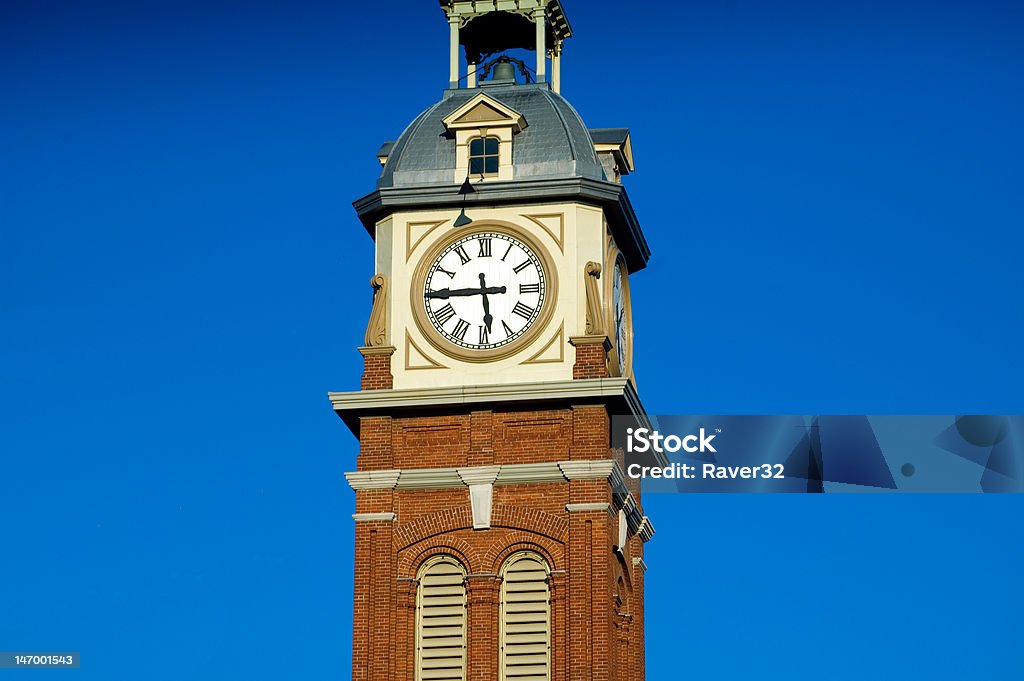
x=429, y=478
x=582, y=508
x=639, y=562
x=470, y=394
x=512, y=474
x=373, y=479
x=510, y=118
x=519, y=473
x=646, y=529
x=478, y=475
x=593, y=469
x=372, y=517
x=480, y=502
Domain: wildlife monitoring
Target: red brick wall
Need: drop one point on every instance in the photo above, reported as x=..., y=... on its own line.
x=591, y=360
x=589, y=641
x=377, y=372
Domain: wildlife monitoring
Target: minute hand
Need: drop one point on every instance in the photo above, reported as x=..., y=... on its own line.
x=445, y=293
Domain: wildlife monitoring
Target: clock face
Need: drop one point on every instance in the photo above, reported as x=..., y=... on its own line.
x=484, y=290
x=620, y=320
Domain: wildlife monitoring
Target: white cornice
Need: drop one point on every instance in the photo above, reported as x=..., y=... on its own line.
x=591, y=469
x=514, y=474
x=578, y=389
x=519, y=473
x=582, y=508
x=478, y=475
x=646, y=530
x=373, y=479
x=373, y=517
x=429, y=478
x=507, y=474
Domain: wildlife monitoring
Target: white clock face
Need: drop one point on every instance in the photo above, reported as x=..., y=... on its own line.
x=619, y=312
x=484, y=290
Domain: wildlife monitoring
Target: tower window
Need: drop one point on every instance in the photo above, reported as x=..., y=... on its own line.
x=441, y=621
x=525, y=620
x=483, y=156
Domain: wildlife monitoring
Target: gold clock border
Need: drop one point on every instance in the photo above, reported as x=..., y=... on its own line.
x=493, y=354
x=613, y=256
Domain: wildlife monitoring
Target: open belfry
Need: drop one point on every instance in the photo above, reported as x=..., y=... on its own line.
x=496, y=536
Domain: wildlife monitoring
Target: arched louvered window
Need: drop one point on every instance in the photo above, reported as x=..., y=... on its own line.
x=525, y=653
x=441, y=621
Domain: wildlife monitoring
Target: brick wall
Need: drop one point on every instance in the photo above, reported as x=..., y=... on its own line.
x=591, y=584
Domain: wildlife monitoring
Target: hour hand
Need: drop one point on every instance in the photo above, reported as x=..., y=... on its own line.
x=445, y=293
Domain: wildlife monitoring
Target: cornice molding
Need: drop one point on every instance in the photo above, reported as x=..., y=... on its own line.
x=373, y=479
x=646, y=530
x=619, y=394
x=583, y=508
x=512, y=474
x=479, y=475
x=373, y=517
x=588, y=470
x=611, y=196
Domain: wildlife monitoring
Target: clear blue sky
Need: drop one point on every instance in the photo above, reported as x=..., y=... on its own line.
x=832, y=191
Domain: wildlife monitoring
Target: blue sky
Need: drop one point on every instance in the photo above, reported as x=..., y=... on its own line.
x=832, y=192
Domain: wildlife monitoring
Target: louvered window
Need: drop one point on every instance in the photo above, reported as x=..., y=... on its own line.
x=441, y=621
x=525, y=620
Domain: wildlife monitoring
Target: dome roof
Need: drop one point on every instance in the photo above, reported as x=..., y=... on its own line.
x=554, y=144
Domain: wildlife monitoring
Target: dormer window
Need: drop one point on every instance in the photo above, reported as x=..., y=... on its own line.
x=483, y=129
x=483, y=156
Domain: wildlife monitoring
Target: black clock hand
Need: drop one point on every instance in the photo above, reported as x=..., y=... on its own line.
x=488, y=318
x=444, y=293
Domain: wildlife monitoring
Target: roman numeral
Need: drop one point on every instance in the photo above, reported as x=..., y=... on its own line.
x=445, y=313
x=463, y=256
x=485, y=336
x=508, y=331
x=460, y=329
x=523, y=311
x=485, y=248
x=451, y=275
x=522, y=267
x=506, y=253
x=529, y=288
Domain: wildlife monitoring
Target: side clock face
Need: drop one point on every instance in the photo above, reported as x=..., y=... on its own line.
x=484, y=290
x=620, y=314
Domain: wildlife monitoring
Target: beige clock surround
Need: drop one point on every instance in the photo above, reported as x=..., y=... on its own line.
x=614, y=256
x=491, y=354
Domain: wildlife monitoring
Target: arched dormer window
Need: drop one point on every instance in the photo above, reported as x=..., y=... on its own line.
x=441, y=621
x=483, y=156
x=525, y=636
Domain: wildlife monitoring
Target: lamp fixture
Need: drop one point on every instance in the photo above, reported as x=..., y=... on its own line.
x=466, y=188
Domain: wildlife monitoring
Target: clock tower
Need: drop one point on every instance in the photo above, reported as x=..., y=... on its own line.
x=496, y=534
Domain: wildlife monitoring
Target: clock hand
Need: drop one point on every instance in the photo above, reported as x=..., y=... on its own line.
x=488, y=318
x=444, y=293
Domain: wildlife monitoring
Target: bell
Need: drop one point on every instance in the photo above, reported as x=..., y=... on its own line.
x=504, y=70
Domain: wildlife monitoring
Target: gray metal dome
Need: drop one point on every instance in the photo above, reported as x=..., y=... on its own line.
x=554, y=144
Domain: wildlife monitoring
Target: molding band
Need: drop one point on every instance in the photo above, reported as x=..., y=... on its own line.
x=373, y=479
x=373, y=517
x=582, y=508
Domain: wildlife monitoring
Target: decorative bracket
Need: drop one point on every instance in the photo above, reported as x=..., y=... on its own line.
x=591, y=273
x=377, y=328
